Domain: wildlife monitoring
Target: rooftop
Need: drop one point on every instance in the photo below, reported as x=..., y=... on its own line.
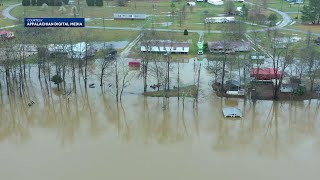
x=164, y=43
x=231, y=112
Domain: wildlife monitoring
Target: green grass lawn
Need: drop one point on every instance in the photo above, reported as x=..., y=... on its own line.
x=80, y=34
x=283, y=5
x=193, y=20
x=305, y=27
x=6, y=22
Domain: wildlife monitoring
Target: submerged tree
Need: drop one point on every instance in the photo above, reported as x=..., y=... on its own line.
x=57, y=80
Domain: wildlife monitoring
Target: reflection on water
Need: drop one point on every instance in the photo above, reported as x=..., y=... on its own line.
x=91, y=136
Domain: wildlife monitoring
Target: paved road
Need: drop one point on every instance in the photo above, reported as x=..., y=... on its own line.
x=126, y=51
x=286, y=20
x=6, y=12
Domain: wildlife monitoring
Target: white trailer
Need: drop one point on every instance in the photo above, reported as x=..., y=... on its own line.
x=219, y=19
x=215, y=2
x=191, y=3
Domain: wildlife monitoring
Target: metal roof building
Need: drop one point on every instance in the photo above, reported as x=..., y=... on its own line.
x=231, y=112
x=165, y=46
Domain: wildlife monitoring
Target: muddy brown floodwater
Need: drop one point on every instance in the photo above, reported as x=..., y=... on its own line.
x=91, y=137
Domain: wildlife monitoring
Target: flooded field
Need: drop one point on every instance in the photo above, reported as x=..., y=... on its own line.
x=89, y=135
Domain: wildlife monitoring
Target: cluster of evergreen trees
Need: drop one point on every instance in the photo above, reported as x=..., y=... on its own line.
x=40, y=2
x=94, y=2
x=311, y=12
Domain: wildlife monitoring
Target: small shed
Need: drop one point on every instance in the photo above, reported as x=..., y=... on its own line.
x=232, y=112
x=286, y=88
x=232, y=85
x=134, y=63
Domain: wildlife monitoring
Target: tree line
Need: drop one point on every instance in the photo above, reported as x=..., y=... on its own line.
x=311, y=12
x=58, y=2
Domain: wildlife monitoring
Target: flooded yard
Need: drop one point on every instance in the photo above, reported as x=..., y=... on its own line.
x=89, y=135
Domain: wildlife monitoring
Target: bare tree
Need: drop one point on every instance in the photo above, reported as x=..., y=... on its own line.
x=282, y=55
x=147, y=56
x=309, y=57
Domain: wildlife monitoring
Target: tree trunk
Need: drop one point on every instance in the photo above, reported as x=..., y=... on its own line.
x=223, y=72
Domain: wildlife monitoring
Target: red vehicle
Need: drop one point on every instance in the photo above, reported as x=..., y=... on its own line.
x=7, y=35
x=134, y=63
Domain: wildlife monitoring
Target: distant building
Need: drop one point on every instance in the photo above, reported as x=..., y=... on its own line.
x=165, y=46
x=130, y=16
x=232, y=85
x=282, y=42
x=219, y=19
x=76, y=51
x=229, y=46
x=215, y=2
x=191, y=3
x=296, y=1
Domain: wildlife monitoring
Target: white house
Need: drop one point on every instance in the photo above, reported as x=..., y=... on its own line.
x=77, y=51
x=219, y=19
x=215, y=2
x=165, y=46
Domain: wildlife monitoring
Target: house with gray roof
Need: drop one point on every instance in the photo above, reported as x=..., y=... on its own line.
x=229, y=46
